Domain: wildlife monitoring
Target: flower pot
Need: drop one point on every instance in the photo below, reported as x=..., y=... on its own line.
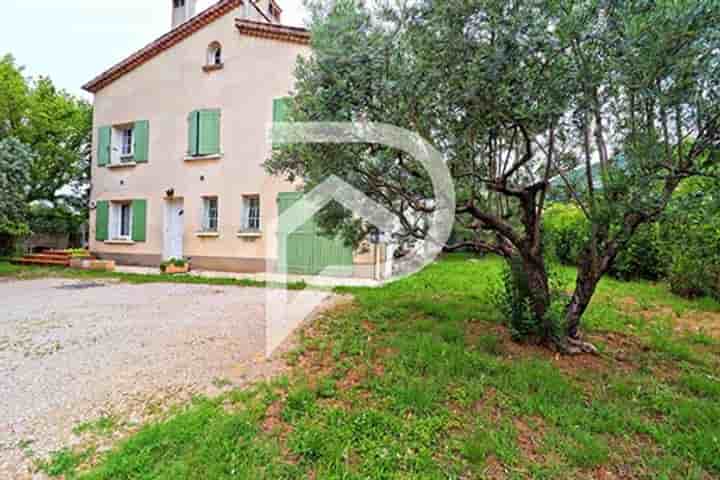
x=173, y=269
x=100, y=265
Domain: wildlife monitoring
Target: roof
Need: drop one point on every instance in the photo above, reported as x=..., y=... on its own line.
x=273, y=31
x=184, y=30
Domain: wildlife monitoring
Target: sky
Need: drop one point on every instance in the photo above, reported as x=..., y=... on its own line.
x=72, y=41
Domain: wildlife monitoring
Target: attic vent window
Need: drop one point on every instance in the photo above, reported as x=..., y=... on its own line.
x=214, y=57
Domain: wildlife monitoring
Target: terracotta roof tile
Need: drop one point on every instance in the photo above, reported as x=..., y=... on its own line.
x=273, y=31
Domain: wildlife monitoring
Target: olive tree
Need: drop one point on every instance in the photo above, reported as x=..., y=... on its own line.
x=614, y=102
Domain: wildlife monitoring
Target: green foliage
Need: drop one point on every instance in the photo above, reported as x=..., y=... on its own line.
x=59, y=219
x=567, y=232
x=176, y=262
x=567, y=235
x=691, y=229
x=55, y=126
x=513, y=297
x=513, y=300
x=15, y=161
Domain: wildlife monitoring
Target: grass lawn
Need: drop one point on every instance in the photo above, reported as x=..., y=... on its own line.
x=419, y=380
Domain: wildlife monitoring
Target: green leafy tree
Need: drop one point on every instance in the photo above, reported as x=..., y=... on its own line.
x=15, y=160
x=514, y=94
x=58, y=128
x=55, y=125
x=13, y=96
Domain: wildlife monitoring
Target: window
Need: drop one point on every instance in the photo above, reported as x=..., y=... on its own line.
x=121, y=220
x=178, y=3
x=251, y=213
x=126, y=145
x=210, y=214
x=123, y=144
x=215, y=55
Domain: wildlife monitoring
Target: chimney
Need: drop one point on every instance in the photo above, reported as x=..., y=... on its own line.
x=182, y=11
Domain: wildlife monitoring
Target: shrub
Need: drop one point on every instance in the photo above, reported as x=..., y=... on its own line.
x=644, y=257
x=177, y=262
x=567, y=234
x=513, y=298
x=567, y=231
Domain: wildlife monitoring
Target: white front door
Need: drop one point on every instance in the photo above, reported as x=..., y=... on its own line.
x=174, y=228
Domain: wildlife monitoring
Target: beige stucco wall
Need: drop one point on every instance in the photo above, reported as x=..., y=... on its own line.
x=163, y=91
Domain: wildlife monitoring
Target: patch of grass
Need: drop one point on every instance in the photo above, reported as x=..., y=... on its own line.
x=64, y=463
x=104, y=425
x=497, y=438
x=418, y=379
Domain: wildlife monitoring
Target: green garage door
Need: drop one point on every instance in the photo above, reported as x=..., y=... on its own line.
x=309, y=253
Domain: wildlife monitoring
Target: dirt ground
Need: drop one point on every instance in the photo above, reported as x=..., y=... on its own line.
x=72, y=351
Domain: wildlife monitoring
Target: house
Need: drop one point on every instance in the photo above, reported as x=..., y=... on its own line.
x=180, y=135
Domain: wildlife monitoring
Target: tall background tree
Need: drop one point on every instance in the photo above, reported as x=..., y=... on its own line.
x=618, y=99
x=53, y=131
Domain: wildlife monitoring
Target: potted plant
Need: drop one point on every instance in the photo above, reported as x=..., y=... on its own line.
x=175, y=265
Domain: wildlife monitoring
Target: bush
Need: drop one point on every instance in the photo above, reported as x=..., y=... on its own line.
x=567, y=233
x=513, y=298
x=691, y=231
x=644, y=257
x=176, y=262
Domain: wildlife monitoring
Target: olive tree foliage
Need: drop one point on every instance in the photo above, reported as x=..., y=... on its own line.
x=15, y=160
x=516, y=95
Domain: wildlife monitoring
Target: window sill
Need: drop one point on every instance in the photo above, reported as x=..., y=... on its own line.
x=122, y=165
x=249, y=234
x=119, y=242
x=216, y=156
x=207, y=234
x=213, y=68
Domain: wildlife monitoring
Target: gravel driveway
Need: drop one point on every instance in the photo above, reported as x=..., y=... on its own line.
x=73, y=350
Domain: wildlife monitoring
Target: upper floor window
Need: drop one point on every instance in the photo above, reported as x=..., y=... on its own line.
x=215, y=55
x=178, y=3
x=123, y=144
x=126, y=143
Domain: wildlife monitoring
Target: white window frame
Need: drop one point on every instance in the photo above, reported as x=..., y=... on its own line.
x=251, y=214
x=123, y=144
x=116, y=220
x=127, y=145
x=207, y=215
x=214, y=57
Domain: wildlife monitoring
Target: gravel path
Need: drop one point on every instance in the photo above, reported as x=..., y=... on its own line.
x=71, y=351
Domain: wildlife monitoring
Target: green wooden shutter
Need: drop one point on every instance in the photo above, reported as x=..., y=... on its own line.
x=281, y=107
x=141, y=135
x=102, y=220
x=209, y=137
x=139, y=220
x=104, y=143
x=193, y=130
